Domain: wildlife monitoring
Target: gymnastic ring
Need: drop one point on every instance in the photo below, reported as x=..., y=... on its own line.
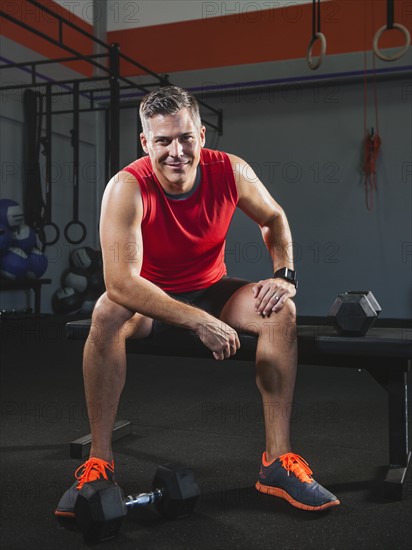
x=43, y=234
x=395, y=56
x=314, y=65
x=82, y=236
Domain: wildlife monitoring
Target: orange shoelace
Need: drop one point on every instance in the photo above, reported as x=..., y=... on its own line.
x=298, y=466
x=94, y=468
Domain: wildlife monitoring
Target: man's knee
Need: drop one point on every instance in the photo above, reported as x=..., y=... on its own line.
x=108, y=319
x=280, y=325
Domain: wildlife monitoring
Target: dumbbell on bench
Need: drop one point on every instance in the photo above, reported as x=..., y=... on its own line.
x=101, y=506
x=354, y=312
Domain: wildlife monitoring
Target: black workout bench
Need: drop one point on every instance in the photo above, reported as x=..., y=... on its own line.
x=385, y=352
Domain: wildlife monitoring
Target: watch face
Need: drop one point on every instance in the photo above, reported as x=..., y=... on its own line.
x=286, y=273
x=290, y=274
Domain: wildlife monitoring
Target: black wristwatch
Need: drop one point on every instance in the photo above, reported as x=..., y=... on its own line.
x=287, y=274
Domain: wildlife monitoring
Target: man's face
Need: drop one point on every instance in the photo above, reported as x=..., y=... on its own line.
x=173, y=144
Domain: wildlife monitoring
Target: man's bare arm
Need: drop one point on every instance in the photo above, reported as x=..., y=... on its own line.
x=257, y=203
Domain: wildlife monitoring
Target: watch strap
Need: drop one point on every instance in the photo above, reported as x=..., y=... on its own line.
x=286, y=274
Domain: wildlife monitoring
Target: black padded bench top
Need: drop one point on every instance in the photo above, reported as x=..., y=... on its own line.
x=313, y=341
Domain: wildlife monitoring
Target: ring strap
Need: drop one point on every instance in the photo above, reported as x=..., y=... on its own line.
x=390, y=14
x=316, y=35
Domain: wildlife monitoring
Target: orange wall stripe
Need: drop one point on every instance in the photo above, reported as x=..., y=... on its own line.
x=46, y=23
x=255, y=37
x=248, y=37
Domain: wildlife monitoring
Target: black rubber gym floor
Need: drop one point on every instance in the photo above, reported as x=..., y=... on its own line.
x=206, y=415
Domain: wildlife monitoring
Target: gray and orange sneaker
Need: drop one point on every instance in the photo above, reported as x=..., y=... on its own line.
x=289, y=477
x=92, y=469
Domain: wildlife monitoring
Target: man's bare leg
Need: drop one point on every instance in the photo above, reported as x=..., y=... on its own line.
x=276, y=363
x=104, y=368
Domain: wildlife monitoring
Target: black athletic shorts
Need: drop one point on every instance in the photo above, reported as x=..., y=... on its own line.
x=211, y=299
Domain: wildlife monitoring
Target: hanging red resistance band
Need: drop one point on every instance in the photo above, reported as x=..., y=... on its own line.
x=372, y=141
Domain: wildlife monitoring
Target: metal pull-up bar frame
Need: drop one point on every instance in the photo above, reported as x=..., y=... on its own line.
x=113, y=74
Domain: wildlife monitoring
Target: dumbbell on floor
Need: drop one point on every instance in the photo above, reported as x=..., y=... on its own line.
x=354, y=312
x=101, y=506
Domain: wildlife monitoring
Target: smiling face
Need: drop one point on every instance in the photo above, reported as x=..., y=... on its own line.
x=173, y=143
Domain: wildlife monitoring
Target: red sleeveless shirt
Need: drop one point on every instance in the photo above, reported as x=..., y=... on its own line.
x=184, y=237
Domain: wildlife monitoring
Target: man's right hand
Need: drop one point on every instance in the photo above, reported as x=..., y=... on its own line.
x=220, y=338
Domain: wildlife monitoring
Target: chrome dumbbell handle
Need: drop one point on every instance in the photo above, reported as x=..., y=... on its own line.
x=143, y=499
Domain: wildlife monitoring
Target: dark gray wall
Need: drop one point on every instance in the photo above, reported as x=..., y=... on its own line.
x=316, y=143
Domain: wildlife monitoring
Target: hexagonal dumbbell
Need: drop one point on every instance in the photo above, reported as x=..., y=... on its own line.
x=354, y=312
x=101, y=506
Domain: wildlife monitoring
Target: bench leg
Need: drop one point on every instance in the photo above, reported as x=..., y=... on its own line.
x=395, y=481
x=80, y=448
x=37, y=299
x=395, y=381
x=399, y=453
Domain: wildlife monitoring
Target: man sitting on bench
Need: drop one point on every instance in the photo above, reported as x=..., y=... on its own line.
x=163, y=227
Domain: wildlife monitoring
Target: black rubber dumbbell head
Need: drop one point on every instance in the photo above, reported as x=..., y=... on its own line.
x=100, y=510
x=179, y=489
x=354, y=312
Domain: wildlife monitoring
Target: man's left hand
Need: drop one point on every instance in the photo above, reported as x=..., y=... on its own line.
x=271, y=294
